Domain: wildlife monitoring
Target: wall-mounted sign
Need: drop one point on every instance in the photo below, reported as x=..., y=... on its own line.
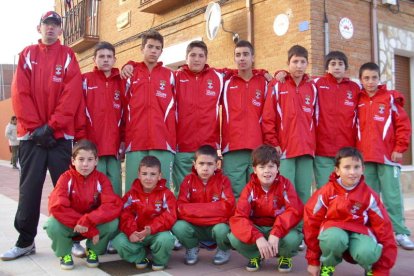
x=281, y=24
x=213, y=19
x=346, y=28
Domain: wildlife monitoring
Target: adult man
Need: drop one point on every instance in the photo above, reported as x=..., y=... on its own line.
x=11, y=134
x=46, y=94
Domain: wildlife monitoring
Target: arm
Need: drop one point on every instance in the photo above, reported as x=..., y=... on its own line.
x=402, y=128
x=127, y=219
x=269, y=123
x=168, y=217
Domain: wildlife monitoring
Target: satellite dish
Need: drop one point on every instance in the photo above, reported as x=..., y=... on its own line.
x=213, y=19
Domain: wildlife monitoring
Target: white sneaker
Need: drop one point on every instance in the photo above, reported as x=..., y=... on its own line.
x=221, y=257
x=177, y=245
x=78, y=250
x=404, y=241
x=16, y=252
x=191, y=256
x=302, y=246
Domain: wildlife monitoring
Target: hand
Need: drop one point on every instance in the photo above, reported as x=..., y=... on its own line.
x=127, y=71
x=396, y=156
x=278, y=150
x=121, y=151
x=281, y=76
x=43, y=137
x=264, y=247
x=313, y=270
x=274, y=243
x=268, y=77
x=134, y=237
x=144, y=233
x=80, y=229
x=95, y=239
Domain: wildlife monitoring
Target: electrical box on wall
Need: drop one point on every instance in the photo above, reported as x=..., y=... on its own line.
x=390, y=2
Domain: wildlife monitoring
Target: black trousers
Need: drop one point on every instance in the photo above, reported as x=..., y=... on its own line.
x=34, y=163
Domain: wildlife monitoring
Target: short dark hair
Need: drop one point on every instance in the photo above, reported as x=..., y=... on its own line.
x=152, y=34
x=206, y=150
x=372, y=66
x=336, y=55
x=245, y=43
x=297, y=50
x=265, y=154
x=13, y=118
x=151, y=162
x=84, y=145
x=104, y=45
x=198, y=44
x=348, y=152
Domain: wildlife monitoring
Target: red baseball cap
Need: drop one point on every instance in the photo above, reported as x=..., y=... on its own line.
x=51, y=16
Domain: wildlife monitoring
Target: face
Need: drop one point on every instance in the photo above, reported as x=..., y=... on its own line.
x=297, y=66
x=149, y=177
x=104, y=60
x=370, y=80
x=196, y=59
x=336, y=67
x=205, y=165
x=14, y=121
x=243, y=58
x=85, y=162
x=266, y=173
x=50, y=31
x=152, y=51
x=350, y=171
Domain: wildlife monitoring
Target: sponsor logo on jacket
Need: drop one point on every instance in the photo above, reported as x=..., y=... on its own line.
x=58, y=72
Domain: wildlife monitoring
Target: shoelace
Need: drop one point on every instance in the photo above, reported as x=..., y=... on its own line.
x=326, y=270
x=285, y=261
x=369, y=273
x=145, y=261
x=254, y=262
x=92, y=255
x=67, y=258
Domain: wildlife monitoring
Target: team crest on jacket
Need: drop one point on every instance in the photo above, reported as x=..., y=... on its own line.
x=307, y=99
x=162, y=84
x=381, y=109
x=215, y=198
x=117, y=95
x=258, y=94
x=209, y=84
x=58, y=70
x=158, y=205
x=349, y=95
x=355, y=208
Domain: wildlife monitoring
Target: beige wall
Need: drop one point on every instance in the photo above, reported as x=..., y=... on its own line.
x=6, y=113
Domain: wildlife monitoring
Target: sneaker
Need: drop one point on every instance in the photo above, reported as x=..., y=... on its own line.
x=110, y=249
x=66, y=262
x=285, y=264
x=143, y=264
x=157, y=267
x=191, y=256
x=253, y=265
x=327, y=270
x=404, y=241
x=177, y=245
x=302, y=246
x=221, y=257
x=92, y=259
x=369, y=273
x=17, y=252
x=78, y=250
x=209, y=245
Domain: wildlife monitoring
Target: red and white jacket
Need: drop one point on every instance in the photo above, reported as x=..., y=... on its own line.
x=336, y=114
x=47, y=89
x=205, y=205
x=288, y=117
x=243, y=103
x=156, y=209
x=198, y=105
x=88, y=201
x=280, y=208
x=383, y=125
x=150, y=111
x=359, y=210
x=104, y=98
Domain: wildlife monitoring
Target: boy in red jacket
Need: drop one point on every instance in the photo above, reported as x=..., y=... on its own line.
x=346, y=219
x=146, y=220
x=267, y=213
x=384, y=132
x=82, y=205
x=205, y=204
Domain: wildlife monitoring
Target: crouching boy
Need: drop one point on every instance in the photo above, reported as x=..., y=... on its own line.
x=266, y=215
x=147, y=217
x=346, y=219
x=82, y=205
x=205, y=204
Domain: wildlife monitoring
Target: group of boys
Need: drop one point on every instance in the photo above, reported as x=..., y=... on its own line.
x=162, y=119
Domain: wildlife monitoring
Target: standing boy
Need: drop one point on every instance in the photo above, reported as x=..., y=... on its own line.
x=267, y=212
x=384, y=132
x=288, y=122
x=346, y=219
x=82, y=205
x=205, y=204
x=147, y=218
x=335, y=114
x=150, y=117
x=243, y=101
x=46, y=94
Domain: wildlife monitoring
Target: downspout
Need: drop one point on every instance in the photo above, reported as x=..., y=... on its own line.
x=326, y=28
x=249, y=20
x=374, y=32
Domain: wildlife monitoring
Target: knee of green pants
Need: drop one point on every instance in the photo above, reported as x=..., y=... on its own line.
x=53, y=227
x=184, y=232
x=334, y=239
x=220, y=232
x=288, y=245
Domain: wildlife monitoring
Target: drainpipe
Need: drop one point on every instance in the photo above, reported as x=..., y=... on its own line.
x=374, y=32
x=249, y=20
x=326, y=28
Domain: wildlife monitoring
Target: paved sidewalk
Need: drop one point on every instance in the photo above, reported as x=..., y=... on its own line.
x=45, y=263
